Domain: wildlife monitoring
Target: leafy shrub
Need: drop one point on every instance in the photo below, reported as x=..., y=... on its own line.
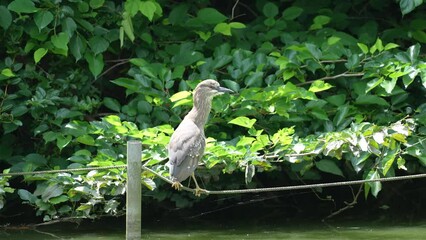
x=322, y=89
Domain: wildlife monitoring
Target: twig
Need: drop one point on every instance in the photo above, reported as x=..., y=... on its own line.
x=348, y=205
x=345, y=74
x=233, y=9
x=112, y=67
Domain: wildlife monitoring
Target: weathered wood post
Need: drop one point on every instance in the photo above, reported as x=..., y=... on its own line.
x=133, y=191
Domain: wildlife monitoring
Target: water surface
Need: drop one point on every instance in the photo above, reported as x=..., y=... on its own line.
x=346, y=230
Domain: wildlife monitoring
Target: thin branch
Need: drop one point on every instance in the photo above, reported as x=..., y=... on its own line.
x=345, y=74
x=233, y=10
x=112, y=67
x=348, y=205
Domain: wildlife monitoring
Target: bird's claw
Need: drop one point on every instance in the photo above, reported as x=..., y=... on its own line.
x=177, y=185
x=199, y=191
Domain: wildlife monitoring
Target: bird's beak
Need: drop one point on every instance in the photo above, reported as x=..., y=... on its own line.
x=224, y=90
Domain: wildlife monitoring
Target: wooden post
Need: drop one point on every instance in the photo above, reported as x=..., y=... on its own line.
x=134, y=191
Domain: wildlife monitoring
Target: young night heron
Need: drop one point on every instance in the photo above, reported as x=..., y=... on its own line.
x=187, y=143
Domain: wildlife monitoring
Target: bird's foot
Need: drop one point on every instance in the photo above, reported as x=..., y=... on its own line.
x=177, y=185
x=198, y=191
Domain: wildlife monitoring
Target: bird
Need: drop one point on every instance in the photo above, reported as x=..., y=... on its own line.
x=187, y=143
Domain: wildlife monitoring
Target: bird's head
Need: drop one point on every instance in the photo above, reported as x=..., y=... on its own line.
x=210, y=88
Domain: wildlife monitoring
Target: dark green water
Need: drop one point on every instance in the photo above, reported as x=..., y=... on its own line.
x=301, y=231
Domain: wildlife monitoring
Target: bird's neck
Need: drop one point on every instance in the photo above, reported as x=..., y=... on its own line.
x=200, y=111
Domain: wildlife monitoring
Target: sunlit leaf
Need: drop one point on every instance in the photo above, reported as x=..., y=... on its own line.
x=39, y=54
x=180, y=95
x=319, y=86
x=363, y=48
x=243, y=122
x=249, y=173
x=376, y=186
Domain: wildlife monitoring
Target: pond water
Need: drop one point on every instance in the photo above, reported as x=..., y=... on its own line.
x=346, y=230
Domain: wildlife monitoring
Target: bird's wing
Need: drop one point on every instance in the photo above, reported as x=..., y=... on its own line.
x=187, y=140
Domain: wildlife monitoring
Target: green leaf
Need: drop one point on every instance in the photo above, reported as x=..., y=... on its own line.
x=7, y=72
x=270, y=10
x=77, y=47
x=314, y=50
x=19, y=110
x=60, y=41
x=69, y=26
x=42, y=19
x=319, y=86
x=112, y=104
x=363, y=47
x=223, y=28
x=243, y=122
x=144, y=107
x=375, y=186
x=292, y=13
x=26, y=196
x=128, y=83
x=337, y=100
x=178, y=14
x=249, y=173
x=389, y=85
x=52, y=191
x=353, y=61
x=378, y=45
x=35, y=159
x=132, y=7
x=149, y=183
x=39, y=54
x=319, y=22
x=373, y=84
x=329, y=166
x=96, y=63
x=409, y=5
x=340, y=117
x=58, y=199
x=210, y=16
x=113, y=120
x=319, y=113
x=333, y=40
x=237, y=25
x=413, y=52
x=388, y=159
x=96, y=3
x=127, y=27
x=391, y=46
x=419, y=36
x=254, y=79
x=371, y=100
x=50, y=136
x=98, y=44
x=5, y=17
x=22, y=6
x=147, y=8
x=86, y=139
x=180, y=95
x=63, y=141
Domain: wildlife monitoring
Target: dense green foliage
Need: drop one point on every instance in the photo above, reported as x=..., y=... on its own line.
x=324, y=88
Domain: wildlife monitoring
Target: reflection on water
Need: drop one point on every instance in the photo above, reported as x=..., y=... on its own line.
x=301, y=231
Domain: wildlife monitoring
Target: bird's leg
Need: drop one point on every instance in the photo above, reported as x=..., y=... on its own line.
x=198, y=190
x=177, y=185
